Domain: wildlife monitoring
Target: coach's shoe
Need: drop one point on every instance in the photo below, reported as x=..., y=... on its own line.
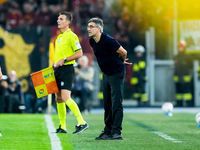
x=59, y=130
x=115, y=136
x=80, y=128
x=103, y=136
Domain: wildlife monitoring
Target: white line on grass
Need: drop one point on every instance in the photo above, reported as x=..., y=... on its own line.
x=166, y=137
x=55, y=141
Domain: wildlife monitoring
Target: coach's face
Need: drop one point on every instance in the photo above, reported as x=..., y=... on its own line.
x=62, y=22
x=92, y=29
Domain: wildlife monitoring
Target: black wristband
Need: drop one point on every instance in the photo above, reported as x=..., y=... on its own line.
x=65, y=60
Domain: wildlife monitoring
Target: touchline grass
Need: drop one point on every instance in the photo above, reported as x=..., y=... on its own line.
x=140, y=132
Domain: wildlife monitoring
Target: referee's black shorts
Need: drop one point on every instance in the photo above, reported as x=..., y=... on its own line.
x=64, y=76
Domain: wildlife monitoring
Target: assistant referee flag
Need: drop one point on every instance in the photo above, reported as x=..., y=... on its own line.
x=44, y=82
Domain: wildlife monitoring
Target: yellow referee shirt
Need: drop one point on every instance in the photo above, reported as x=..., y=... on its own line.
x=66, y=45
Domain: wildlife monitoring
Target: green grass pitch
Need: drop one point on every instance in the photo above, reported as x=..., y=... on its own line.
x=140, y=132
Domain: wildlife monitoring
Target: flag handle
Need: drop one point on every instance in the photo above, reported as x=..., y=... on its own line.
x=49, y=103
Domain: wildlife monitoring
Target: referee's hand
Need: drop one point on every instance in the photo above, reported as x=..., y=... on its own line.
x=59, y=63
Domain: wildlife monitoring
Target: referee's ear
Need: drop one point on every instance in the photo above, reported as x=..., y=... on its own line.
x=68, y=22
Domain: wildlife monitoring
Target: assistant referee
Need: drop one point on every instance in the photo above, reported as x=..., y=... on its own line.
x=67, y=50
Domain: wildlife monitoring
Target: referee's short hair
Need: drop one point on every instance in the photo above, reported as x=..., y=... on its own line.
x=67, y=14
x=98, y=22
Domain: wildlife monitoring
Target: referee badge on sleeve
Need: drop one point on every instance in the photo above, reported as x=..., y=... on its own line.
x=78, y=45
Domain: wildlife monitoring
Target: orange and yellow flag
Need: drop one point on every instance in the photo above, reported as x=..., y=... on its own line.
x=44, y=82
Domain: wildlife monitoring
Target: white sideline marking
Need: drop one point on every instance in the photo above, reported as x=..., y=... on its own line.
x=166, y=137
x=55, y=141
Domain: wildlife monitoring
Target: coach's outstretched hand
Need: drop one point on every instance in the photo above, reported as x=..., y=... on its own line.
x=127, y=63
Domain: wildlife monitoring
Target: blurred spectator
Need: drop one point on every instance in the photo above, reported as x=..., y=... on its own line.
x=70, y=9
x=83, y=84
x=116, y=8
x=182, y=76
x=121, y=33
x=14, y=97
x=75, y=3
x=104, y=6
x=1, y=93
x=98, y=8
x=44, y=16
x=85, y=12
x=14, y=15
x=65, y=5
x=138, y=22
x=138, y=79
x=76, y=17
x=3, y=14
x=33, y=3
x=3, y=87
x=40, y=105
x=55, y=9
x=30, y=97
x=125, y=14
x=29, y=15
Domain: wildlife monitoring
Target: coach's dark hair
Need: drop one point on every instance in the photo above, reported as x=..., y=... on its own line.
x=98, y=22
x=67, y=14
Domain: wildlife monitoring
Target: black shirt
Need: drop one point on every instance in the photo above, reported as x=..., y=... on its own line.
x=105, y=51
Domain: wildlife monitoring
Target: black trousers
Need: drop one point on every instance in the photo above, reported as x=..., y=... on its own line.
x=112, y=96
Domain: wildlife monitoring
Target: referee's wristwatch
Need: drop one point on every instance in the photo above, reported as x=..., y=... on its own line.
x=65, y=60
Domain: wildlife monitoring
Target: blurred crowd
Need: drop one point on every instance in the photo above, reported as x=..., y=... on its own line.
x=115, y=13
x=123, y=19
x=135, y=15
x=23, y=13
x=13, y=99
x=11, y=94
